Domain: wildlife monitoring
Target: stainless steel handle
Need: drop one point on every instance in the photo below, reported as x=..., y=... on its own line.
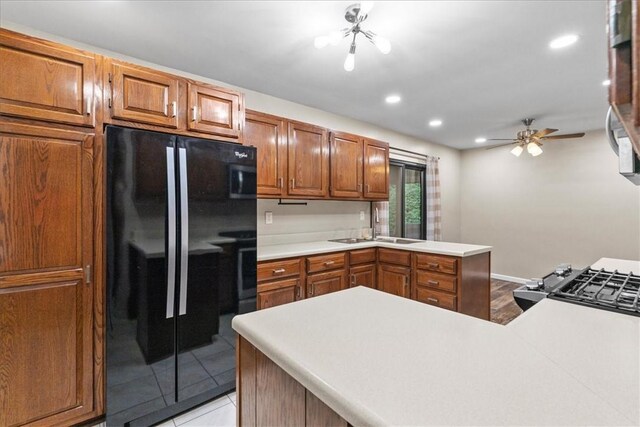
x=433, y=282
x=171, y=232
x=174, y=109
x=293, y=183
x=328, y=263
x=297, y=290
x=311, y=289
x=88, y=106
x=368, y=188
x=279, y=271
x=194, y=114
x=377, y=214
x=353, y=280
x=184, y=230
x=433, y=265
x=359, y=187
x=280, y=182
x=432, y=299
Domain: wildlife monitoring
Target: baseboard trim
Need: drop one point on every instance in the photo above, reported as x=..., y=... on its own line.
x=508, y=278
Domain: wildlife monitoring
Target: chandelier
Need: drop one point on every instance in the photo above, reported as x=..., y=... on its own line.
x=355, y=14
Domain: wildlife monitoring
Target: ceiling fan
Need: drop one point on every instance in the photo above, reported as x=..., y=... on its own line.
x=532, y=139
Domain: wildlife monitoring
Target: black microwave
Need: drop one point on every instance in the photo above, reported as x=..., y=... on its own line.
x=242, y=182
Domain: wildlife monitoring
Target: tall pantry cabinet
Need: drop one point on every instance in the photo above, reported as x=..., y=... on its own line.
x=47, y=132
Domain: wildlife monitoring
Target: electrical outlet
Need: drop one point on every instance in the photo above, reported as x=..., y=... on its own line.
x=268, y=217
x=361, y=215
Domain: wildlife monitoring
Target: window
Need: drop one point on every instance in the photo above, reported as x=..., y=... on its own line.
x=406, y=200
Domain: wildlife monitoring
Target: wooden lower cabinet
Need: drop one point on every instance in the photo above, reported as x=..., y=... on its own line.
x=394, y=279
x=439, y=299
x=278, y=293
x=268, y=396
x=363, y=275
x=325, y=283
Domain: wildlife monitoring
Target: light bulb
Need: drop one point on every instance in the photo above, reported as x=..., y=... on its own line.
x=365, y=7
x=321, y=41
x=350, y=62
x=382, y=44
x=517, y=150
x=534, y=149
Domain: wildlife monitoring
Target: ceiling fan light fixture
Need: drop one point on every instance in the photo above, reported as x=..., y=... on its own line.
x=350, y=61
x=517, y=150
x=383, y=45
x=534, y=149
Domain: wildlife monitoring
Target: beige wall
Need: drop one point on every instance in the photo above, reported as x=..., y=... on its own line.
x=309, y=217
x=567, y=205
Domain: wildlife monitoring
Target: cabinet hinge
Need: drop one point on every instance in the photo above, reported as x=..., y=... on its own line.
x=87, y=274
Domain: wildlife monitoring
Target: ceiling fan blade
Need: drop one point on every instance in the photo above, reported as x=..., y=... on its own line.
x=501, y=139
x=565, y=136
x=499, y=145
x=543, y=132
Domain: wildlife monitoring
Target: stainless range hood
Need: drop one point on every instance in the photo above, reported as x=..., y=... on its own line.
x=629, y=163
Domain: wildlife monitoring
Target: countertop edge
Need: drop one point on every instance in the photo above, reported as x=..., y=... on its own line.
x=354, y=413
x=366, y=245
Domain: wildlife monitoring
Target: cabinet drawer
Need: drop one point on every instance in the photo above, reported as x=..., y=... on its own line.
x=278, y=269
x=438, y=263
x=438, y=281
x=325, y=262
x=362, y=256
x=391, y=256
x=439, y=299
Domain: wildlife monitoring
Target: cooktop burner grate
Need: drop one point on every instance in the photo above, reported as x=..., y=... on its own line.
x=611, y=290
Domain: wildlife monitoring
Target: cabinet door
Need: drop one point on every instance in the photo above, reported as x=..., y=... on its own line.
x=394, y=279
x=324, y=283
x=363, y=275
x=145, y=96
x=278, y=293
x=376, y=170
x=43, y=82
x=267, y=134
x=214, y=110
x=46, y=199
x=346, y=165
x=308, y=160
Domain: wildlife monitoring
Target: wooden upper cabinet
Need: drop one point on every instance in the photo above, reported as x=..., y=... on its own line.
x=376, y=170
x=214, y=110
x=142, y=95
x=268, y=134
x=308, y=160
x=43, y=81
x=346, y=165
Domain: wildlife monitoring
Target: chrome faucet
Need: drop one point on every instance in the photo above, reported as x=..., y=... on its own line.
x=376, y=221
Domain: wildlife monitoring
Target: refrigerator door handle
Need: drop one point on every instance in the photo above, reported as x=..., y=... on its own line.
x=184, y=230
x=171, y=237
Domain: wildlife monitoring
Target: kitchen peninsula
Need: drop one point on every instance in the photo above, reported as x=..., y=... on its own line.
x=365, y=357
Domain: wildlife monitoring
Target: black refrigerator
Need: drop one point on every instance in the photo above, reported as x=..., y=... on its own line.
x=181, y=262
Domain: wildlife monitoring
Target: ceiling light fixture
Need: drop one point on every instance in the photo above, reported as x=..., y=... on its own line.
x=355, y=14
x=435, y=123
x=517, y=150
x=481, y=140
x=534, y=149
x=563, y=41
x=392, y=99
x=606, y=82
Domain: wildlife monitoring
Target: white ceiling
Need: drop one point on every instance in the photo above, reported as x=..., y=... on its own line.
x=480, y=66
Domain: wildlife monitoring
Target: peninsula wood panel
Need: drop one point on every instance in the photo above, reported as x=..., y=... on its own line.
x=144, y=95
x=43, y=172
x=268, y=134
x=376, y=170
x=308, y=160
x=280, y=400
x=474, y=297
x=246, y=373
x=318, y=414
x=394, y=279
x=214, y=110
x=346, y=165
x=46, y=81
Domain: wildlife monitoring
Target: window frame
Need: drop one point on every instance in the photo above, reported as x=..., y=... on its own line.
x=422, y=169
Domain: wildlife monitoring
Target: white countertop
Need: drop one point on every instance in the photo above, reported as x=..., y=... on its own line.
x=378, y=359
x=309, y=248
x=622, y=265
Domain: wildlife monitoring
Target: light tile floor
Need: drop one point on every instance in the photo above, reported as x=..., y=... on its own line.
x=219, y=413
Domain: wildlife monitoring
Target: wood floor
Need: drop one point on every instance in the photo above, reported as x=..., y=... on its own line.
x=503, y=307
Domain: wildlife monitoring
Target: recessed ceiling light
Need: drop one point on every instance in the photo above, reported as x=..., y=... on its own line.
x=392, y=99
x=480, y=140
x=606, y=82
x=435, y=123
x=563, y=41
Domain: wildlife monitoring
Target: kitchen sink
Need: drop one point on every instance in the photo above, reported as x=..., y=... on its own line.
x=396, y=240
x=349, y=240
